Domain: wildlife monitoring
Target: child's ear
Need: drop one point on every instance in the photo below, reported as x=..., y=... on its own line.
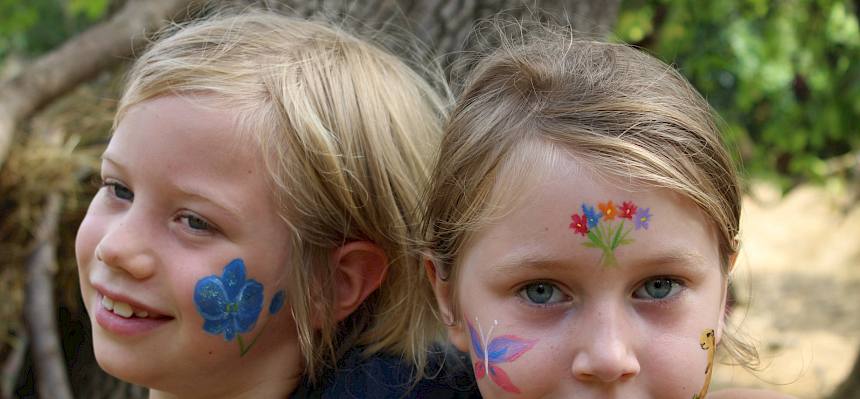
x=360, y=268
x=725, y=312
x=442, y=290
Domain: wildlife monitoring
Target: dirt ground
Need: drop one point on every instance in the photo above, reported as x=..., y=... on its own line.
x=798, y=287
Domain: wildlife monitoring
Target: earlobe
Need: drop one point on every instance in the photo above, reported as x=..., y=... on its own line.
x=442, y=291
x=360, y=268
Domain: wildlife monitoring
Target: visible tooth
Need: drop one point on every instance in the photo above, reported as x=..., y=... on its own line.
x=107, y=303
x=123, y=309
x=141, y=313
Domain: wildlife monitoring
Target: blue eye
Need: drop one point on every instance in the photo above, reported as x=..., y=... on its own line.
x=542, y=293
x=658, y=288
x=120, y=191
x=196, y=223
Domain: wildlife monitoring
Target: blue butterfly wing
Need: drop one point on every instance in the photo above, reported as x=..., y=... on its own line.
x=476, y=342
x=507, y=348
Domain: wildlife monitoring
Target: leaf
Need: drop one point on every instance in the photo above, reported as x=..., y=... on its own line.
x=617, y=236
x=595, y=241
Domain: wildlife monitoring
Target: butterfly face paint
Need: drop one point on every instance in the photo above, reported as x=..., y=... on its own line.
x=490, y=352
x=606, y=228
x=707, y=342
x=230, y=304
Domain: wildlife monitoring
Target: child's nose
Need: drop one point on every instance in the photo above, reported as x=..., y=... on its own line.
x=606, y=353
x=125, y=247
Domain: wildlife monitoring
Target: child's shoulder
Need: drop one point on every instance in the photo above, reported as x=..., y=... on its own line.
x=739, y=393
x=386, y=376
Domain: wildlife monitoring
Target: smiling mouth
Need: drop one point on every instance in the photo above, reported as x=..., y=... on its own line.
x=126, y=311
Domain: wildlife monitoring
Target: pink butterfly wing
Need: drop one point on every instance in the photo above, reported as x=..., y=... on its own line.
x=502, y=380
x=480, y=371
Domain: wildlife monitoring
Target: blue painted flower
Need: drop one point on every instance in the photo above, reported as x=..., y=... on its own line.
x=592, y=215
x=643, y=216
x=277, y=302
x=229, y=304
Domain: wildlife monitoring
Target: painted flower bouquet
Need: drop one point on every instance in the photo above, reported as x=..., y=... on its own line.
x=606, y=229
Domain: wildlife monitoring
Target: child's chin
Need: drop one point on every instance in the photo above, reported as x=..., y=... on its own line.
x=124, y=365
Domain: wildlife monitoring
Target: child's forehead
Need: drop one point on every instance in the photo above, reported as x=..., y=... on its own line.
x=533, y=212
x=536, y=163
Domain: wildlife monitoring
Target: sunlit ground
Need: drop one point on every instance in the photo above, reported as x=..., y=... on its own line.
x=798, y=283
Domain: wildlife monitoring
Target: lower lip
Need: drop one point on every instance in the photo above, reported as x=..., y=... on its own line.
x=132, y=326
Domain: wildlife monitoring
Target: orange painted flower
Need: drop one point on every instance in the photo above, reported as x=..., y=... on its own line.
x=579, y=224
x=628, y=210
x=608, y=209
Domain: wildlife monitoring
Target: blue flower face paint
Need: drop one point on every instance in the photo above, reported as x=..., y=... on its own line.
x=230, y=304
x=277, y=302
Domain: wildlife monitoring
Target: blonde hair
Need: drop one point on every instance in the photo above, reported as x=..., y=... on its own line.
x=347, y=131
x=614, y=107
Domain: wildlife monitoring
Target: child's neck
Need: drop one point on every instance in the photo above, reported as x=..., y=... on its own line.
x=280, y=388
x=263, y=374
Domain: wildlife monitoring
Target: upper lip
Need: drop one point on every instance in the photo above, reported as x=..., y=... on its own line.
x=134, y=304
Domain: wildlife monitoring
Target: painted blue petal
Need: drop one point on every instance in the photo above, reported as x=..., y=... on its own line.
x=234, y=278
x=477, y=346
x=277, y=302
x=229, y=329
x=210, y=298
x=250, y=301
x=215, y=327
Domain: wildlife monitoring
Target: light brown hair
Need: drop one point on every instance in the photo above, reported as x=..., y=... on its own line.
x=615, y=108
x=347, y=130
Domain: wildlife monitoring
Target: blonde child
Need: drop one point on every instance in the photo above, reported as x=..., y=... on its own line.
x=581, y=224
x=250, y=238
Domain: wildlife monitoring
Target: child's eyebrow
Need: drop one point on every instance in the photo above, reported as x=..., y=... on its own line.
x=231, y=211
x=534, y=262
x=682, y=258
x=208, y=198
x=693, y=261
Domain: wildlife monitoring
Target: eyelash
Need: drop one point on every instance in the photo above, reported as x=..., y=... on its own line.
x=112, y=187
x=185, y=218
x=677, y=287
x=523, y=295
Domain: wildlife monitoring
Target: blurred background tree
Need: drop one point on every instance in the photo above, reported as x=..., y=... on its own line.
x=785, y=75
x=29, y=28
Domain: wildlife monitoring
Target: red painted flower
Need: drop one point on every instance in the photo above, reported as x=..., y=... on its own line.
x=608, y=209
x=579, y=224
x=628, y=209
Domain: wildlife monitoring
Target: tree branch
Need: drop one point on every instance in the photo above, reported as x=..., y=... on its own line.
x=12, y=367
x=79, y=59
x=39, y=312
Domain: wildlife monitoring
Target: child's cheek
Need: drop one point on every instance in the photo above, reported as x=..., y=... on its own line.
x=232, y=304
x=679, y=366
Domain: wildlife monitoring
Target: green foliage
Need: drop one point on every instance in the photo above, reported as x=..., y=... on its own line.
x=785, y=76
x=34, y=26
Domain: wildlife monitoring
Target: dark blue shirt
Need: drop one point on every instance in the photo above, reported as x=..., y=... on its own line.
x=383, y=376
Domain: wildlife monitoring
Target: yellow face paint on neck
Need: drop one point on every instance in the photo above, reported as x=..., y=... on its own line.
x=708, y=342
